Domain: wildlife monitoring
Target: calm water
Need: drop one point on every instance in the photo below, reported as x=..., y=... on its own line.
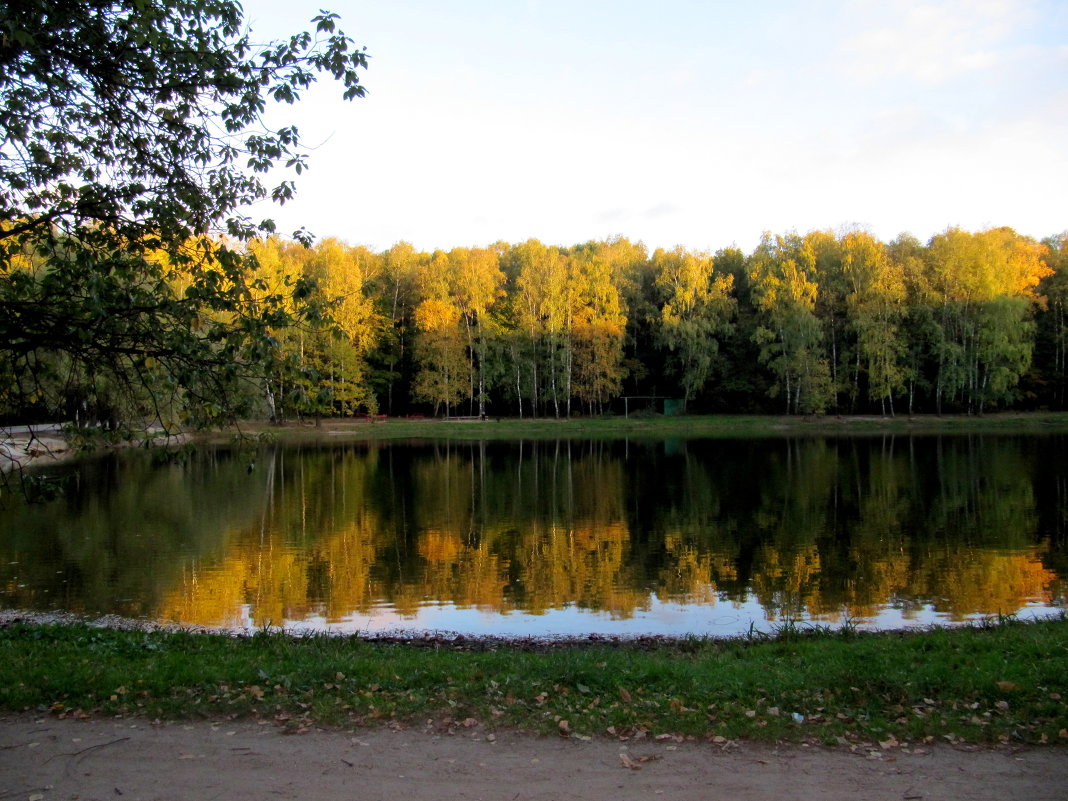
x=613, y=537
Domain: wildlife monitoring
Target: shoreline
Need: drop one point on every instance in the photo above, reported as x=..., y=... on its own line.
x=24, y=446
x=460, y=641
x=886, y=691
x=681, y=426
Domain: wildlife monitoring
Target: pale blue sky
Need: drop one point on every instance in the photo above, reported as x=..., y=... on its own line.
x=684, y=123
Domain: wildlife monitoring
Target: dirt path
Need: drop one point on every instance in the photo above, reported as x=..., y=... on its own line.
x=46, y=759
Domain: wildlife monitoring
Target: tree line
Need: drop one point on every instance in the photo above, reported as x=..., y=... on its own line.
x=804, y=324
x=817, y=323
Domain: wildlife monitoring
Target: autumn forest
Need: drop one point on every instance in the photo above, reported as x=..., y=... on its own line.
x=819, y=323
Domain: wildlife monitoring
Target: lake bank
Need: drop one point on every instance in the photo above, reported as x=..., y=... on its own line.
x=715, y=426
x=995, y=684
x=26, y=446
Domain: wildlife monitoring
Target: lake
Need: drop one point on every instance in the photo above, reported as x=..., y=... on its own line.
x=538, y=538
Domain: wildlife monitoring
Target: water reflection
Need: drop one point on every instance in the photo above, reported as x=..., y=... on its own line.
x=704, y=536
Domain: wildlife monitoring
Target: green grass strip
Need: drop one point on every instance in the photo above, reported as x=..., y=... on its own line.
x=1004, y=683
x=683, y=426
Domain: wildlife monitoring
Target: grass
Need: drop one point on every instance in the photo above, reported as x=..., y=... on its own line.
x=660, y=426
x=998, y=683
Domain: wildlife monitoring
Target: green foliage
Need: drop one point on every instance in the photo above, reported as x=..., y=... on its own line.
x=696, y=311
x=132, y=130
x=1050, y=381
x=791, y=335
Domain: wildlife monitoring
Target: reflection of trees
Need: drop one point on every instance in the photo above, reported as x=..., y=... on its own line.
x=837, y=529
x=120, y=535
x=823, y=528
x=576, y=550
x=308, y=550
x=467, y=575
x=541, y=530
x=948, y=522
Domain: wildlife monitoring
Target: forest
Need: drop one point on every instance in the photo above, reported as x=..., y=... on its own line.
x=135, y=291
x=820, y=323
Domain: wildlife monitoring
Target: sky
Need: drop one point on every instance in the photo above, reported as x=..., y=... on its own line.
x=679, y=122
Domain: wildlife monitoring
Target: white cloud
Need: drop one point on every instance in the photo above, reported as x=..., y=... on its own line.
x=930, y=43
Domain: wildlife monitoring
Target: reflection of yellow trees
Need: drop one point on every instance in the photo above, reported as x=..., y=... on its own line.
x=273, y=567
x=956, y=580
x=585, y=565
x=581, y=555
x=279, y=582
x=787, y=583
x=877, y=565
x=686, y=577
x=461, y=573
x=813, y=544
x=881, y=575
x=964, y=583
x=440, y=547
x=349, y=555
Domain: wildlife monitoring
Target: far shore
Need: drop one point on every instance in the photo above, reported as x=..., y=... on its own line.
x=652, y=426
x=25, y=446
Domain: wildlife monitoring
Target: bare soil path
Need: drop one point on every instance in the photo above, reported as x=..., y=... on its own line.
x=46, y=759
